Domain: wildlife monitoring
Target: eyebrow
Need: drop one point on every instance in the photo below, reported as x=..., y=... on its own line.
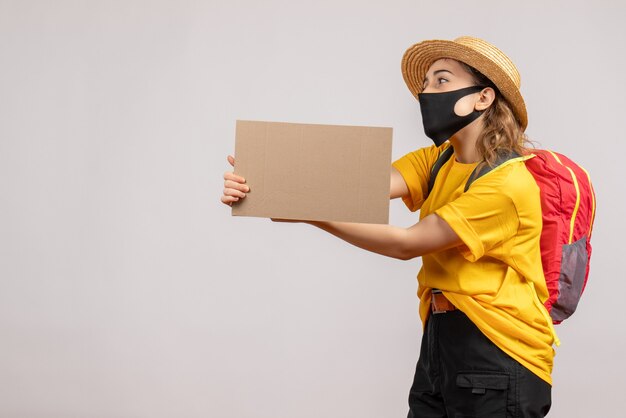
x=437, y=72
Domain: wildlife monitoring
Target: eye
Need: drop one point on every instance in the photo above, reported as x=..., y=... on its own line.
x=442, y=80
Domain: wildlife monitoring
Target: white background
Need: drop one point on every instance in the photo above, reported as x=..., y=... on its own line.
x=128, y=290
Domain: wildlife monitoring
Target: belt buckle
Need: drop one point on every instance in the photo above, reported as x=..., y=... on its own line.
x=446, y=305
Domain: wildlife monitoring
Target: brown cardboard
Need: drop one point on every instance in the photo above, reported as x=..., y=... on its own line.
x=313, y=172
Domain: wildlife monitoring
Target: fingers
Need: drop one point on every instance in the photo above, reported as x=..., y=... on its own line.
x=233, y=192
x=234, y=186
x=229, y=175
x=229, y=200
x=229, y=184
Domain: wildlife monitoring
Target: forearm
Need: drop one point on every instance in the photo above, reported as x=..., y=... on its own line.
x=430, y=235
x=381, y=239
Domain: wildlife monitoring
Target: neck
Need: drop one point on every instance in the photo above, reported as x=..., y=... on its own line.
x=464, y=143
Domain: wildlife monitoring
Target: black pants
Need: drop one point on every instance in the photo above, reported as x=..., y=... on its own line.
x=462, y=374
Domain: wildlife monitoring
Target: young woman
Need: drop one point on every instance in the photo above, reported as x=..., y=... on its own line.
x=487, y=344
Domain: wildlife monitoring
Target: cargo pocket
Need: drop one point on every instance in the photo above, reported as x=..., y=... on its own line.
x=571, y=280
x=482, y=394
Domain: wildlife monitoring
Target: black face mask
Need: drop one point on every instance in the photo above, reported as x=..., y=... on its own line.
x=440, y=121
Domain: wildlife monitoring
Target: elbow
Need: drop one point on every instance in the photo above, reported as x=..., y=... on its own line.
x=405, y=257
x=406, y=254
x=405, y=248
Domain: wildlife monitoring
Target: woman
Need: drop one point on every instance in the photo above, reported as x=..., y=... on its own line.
x=487, y=344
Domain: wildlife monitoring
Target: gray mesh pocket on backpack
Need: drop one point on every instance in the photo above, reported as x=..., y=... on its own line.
x=571, y=279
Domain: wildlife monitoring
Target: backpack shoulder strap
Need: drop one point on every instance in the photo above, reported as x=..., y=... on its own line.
x=484, y=169
x=443, y=158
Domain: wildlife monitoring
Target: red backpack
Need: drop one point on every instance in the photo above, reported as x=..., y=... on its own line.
x=568, y=209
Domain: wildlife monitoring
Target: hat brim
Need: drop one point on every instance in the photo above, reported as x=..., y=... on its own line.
x=418, y=58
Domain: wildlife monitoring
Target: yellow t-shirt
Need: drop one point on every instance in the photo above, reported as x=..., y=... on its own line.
x=496, y=277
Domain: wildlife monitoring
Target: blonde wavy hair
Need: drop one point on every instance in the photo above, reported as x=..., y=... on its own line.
x=502, y=133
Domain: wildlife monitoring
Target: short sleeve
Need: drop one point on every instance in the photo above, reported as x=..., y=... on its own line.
x=415, y=170
x=484, y=217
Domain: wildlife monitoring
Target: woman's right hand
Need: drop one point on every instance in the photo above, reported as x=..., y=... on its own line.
x=234, y=186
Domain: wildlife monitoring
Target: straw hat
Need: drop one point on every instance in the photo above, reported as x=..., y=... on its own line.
x=475, y=52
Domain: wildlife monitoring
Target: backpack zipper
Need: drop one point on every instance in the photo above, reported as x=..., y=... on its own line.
x=573, y=219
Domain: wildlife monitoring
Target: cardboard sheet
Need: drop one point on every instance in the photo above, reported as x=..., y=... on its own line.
x=314, y=172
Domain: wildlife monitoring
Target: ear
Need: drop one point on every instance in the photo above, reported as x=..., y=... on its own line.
x=487, y=96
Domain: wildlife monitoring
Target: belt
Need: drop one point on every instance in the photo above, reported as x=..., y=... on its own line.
x=439, y=303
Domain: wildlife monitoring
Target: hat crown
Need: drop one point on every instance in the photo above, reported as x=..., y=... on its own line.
x=494, y=54
x=479, y=54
